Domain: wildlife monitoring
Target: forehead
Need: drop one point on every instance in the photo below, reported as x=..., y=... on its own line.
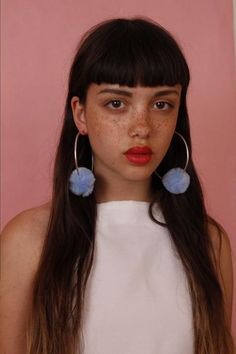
x=102, y=89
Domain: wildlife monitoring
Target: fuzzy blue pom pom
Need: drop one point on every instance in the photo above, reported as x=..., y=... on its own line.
x=176, y=180
x=82, y=183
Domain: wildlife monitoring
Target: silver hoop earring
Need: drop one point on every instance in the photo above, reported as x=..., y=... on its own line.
x=82, y=179
x=177, y=180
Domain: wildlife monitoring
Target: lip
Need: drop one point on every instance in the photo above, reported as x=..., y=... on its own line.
x=139, y=155
x=139, y=150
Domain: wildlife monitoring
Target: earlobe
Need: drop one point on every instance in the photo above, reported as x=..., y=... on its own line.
x=79, y=114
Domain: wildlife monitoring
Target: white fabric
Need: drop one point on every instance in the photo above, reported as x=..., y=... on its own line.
x=137, y=300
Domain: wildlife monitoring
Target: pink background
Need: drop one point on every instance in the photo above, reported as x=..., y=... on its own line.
x=38, y=42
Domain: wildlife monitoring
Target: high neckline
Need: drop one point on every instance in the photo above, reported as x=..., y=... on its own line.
x=127, y=211
x=120, y=202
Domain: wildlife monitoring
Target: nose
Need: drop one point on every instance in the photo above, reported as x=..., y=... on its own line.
x=140, y=125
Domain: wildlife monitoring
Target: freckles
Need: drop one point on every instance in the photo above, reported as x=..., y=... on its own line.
x=106, y=133
x=159, y=126
x=115, y=129
x=165, y=124
x=117, y=121
x=96, y=125
x=114, y=125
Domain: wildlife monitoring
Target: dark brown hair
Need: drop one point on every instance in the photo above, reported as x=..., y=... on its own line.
x=128, y=52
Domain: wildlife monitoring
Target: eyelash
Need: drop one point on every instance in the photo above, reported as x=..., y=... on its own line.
x=117, y=108
x=107, y=104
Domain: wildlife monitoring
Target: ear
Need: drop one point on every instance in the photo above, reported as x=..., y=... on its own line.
x=78, y=111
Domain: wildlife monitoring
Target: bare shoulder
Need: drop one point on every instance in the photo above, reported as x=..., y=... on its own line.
x=21, y=245
x=224, y=263
x=220, y=239
x=27, y=230
x=36, y=218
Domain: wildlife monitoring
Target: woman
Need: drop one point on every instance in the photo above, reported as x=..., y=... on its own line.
x=125, y=258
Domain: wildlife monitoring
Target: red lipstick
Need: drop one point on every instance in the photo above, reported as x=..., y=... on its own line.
x=139, y=155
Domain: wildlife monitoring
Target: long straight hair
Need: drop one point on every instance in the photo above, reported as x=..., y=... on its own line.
x=128, y=52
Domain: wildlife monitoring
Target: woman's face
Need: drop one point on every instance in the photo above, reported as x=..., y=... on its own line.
x=118, y=118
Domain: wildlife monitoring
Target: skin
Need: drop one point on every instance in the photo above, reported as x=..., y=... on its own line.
x=116, y=122
x=111, y=133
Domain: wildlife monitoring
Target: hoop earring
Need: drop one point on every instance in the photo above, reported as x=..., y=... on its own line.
x=177, y=180
x=81, y=179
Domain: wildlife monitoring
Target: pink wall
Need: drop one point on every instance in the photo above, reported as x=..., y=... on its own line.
x=38, y=41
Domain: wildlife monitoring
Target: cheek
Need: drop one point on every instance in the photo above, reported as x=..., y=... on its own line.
x=104, y=133
x=163, y=135
x=165, y=127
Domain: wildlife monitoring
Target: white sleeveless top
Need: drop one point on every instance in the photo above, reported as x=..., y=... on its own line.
x=137, y=298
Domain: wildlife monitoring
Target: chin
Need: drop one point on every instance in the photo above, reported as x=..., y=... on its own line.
x=138, y=174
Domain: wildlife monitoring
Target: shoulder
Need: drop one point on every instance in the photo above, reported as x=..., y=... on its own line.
x=21, y=245
x=223, y=260
x=29, y=220
x=220, y=241
x=22, y=238
x=25, y=233
x=37, y=215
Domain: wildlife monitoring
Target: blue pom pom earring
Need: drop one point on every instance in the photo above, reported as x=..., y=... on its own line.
x=81, y=179
x=177, y=180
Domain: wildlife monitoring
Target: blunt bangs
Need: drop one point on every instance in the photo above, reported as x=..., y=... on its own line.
x=133, y=52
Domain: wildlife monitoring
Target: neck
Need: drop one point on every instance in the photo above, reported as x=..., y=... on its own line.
x=122, y=190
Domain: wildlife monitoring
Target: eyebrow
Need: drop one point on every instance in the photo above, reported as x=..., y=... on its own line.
x=130, y=94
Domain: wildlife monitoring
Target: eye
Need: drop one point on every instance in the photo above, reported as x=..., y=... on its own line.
x=162, y=105
x=115, y=104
